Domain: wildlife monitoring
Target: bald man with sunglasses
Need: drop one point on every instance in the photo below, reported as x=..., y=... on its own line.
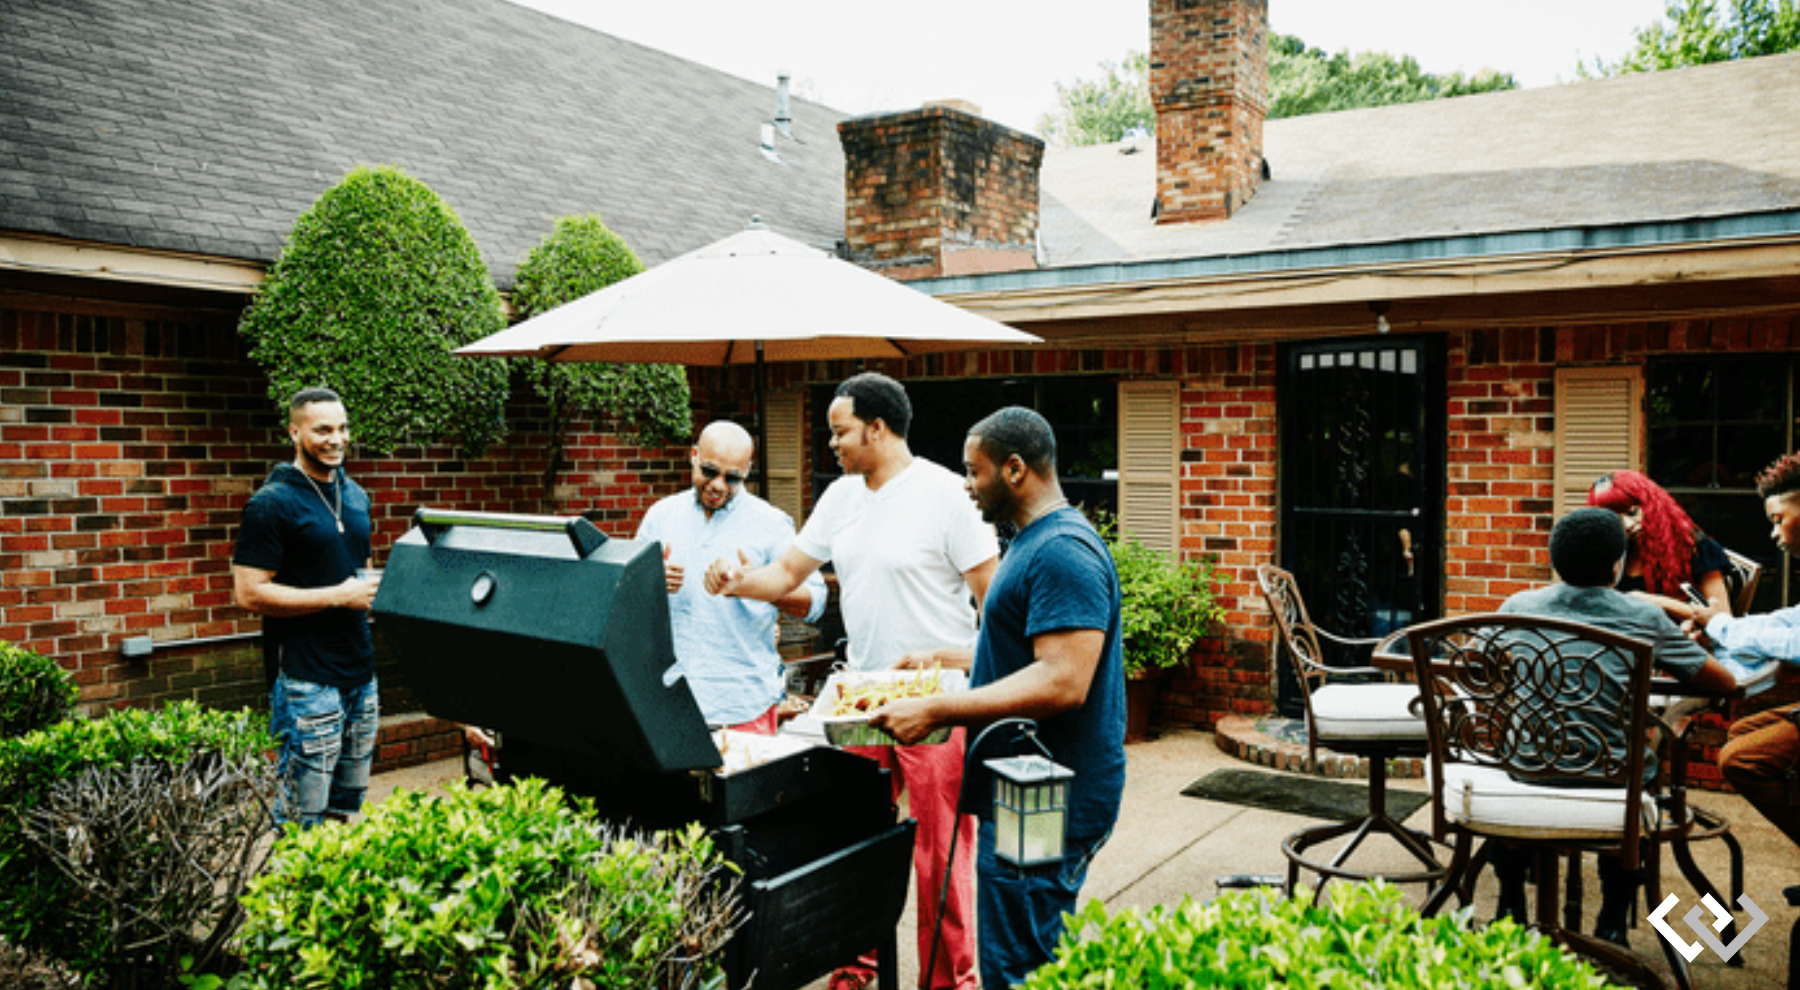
x=725, y=647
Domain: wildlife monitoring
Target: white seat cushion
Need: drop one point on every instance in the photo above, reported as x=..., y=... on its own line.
x=1484, y=799
x=1366, y=713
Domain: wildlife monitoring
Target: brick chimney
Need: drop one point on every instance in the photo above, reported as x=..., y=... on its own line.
x=1209, y=82
x=939, y=191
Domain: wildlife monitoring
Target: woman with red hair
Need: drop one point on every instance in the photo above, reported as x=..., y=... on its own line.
x=1666, y=548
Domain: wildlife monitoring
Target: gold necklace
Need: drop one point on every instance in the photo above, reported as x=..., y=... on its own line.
x=337, y=514
x=1046, y=510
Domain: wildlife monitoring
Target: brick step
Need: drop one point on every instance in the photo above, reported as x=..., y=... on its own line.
x=409, y=739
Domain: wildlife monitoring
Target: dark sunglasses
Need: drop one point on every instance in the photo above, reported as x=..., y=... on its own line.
x=710, y=472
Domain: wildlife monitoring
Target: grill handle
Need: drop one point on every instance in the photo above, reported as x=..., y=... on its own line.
x=583, y=534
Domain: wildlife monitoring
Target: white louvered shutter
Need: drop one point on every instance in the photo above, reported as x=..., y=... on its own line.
x=1599, y=428
x=1150, y=462
x=785, y=459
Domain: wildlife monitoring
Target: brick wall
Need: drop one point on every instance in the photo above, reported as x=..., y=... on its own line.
x=938, y=191
x=1499, y=502
x=131, y=437
x=1209, y=82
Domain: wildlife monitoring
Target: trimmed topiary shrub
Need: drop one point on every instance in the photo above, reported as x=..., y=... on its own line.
x=378, y=283
x=125, y=840
x=1367, y=938
x=34, y=691
x=582, y=256
x=508, y=887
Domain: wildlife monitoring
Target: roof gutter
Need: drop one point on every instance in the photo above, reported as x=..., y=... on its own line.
x=55, y=256
x=1749, y=246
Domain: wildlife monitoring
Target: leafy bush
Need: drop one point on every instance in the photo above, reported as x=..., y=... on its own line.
x=582, y=256
x=1367, y=937
x=124, y=840
x=499, y=888
x=1167, y=603
x=34, y=691
x=378, y=283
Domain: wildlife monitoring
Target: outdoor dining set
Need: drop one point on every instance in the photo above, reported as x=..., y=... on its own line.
x=1513, y=715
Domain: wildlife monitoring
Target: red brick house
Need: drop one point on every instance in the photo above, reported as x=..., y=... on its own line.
x=1382, y=348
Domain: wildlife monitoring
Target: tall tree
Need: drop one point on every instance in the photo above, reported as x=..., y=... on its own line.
x=580, y=256
x=1302, y=81
x=1697, y=33
x=378, y=283
x=1306, y=80
x=1100, y=111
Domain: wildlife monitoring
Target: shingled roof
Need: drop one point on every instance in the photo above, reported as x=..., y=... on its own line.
x=1669, y=147
x=208, y=126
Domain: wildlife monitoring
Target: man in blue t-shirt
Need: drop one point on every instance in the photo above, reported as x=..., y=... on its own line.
x=305, y=534
x=1049, y=650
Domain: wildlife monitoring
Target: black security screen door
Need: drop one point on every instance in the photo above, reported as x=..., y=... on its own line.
x=1362, y=491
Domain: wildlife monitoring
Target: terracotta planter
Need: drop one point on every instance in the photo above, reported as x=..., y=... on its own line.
x=1141, y=691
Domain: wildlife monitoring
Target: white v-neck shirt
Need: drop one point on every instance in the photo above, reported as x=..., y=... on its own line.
x=900, y=554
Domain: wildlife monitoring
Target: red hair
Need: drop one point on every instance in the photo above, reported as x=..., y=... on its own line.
x=1665, y=547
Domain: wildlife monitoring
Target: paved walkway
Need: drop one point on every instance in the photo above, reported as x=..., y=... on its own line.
x=1168, y=846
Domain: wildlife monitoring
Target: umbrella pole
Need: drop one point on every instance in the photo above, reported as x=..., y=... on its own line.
x=762, y=477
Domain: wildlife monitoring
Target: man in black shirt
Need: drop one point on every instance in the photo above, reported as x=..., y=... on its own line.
x=305, y=534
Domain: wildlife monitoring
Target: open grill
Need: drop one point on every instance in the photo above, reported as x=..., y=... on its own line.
x=546, y=631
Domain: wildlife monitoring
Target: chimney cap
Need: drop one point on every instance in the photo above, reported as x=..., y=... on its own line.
x=969, y=107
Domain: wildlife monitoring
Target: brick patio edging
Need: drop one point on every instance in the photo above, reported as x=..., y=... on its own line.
x=1243, y=736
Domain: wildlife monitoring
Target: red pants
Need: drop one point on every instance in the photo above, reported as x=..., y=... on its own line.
x=762, y=725
x=933, y=777
x=1758, y=758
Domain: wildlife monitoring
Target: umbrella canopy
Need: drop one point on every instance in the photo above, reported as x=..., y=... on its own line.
x=715, y=305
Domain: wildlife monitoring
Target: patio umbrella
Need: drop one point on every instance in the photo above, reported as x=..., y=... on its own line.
x=755, y=296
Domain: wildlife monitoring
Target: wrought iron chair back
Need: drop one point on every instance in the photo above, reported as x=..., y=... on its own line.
x=1545, y=700
x=1302, y=641
x=1741, y=579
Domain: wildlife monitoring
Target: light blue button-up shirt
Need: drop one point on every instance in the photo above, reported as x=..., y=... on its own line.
x=725, y=647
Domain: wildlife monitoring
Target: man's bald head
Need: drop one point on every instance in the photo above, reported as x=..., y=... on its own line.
x=724, y=451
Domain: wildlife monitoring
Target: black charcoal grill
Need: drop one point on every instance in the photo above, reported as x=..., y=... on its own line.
x=556, y=637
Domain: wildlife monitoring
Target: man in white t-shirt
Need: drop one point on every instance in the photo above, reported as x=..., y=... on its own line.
x=912, y=556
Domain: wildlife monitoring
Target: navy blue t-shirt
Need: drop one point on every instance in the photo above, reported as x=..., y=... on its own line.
x=1058, y=576
x=291, y=530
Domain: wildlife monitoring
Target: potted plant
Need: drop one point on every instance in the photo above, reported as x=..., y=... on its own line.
x=1167, y=604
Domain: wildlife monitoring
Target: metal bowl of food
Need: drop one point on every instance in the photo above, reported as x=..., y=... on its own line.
x=851, y=696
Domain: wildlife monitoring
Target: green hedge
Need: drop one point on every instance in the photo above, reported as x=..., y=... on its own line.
x=34, y=691
x=98, y=782
x=1367, y=938
x=509, y=887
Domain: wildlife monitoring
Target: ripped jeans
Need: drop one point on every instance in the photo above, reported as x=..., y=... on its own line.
x=327, y=739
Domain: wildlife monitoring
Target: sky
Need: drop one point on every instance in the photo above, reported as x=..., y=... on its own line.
x=1006, y=56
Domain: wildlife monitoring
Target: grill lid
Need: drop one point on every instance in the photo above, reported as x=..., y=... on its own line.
x=545, y=629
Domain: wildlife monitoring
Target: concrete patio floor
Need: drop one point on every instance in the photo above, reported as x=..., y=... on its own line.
x=1168, y=846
